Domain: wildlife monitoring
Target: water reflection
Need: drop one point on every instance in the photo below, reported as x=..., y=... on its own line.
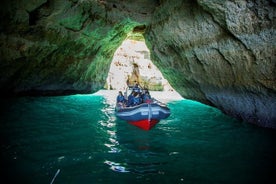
x=130, y=149
x=116, y=166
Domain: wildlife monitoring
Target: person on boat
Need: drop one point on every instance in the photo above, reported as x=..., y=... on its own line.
x=146, y=97
x=121, y=99
x=136, y=88
x=125, y=95
x=137, y=99
x=130, y=99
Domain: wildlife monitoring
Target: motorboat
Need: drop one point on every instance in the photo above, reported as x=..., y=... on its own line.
x=144, y=115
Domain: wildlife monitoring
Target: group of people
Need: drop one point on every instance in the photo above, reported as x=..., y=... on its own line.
x=136, y=97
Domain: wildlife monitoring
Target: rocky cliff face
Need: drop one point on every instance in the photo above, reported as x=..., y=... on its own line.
x=55, y=47
x=130, y=64
x=221, y=53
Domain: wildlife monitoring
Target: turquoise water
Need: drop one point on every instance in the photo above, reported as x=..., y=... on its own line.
x=79, y=139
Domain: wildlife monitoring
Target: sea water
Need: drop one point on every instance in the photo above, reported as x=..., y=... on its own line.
x=78, y=139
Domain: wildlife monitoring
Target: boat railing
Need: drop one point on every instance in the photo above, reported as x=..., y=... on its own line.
x=158, y=102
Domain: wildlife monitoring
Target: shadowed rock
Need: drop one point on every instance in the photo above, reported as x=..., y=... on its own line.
x=221, y=53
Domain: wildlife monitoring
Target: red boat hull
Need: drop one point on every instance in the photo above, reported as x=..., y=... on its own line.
x=145, y=124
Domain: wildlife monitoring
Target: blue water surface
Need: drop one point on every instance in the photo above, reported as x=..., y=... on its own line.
x=78, y=139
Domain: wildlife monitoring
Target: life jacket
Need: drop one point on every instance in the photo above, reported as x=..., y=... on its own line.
x=146, y=98
x=130, y=100
x=120, y=98
x=136, y=100
x=136, y=89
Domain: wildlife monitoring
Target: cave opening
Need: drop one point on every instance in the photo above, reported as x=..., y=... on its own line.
x=131, y=63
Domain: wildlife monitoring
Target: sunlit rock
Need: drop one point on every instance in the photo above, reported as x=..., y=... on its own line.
x=131, y=63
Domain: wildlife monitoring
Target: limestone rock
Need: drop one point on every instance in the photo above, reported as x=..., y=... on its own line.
x=130, y=64
x=221, y=53
x=57, y=47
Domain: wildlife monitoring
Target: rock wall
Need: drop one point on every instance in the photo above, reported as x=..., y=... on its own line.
x=130, y=64
x=221, y=53
x=58, y=47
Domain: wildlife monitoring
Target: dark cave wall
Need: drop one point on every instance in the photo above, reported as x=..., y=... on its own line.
x=221, y=53
x=52, y=47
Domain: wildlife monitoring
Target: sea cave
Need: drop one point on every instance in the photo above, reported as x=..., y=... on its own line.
x=209, y=66
x=220, y=53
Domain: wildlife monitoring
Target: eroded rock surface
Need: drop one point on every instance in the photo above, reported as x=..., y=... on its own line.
x=221, y=53
x=57, y=47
